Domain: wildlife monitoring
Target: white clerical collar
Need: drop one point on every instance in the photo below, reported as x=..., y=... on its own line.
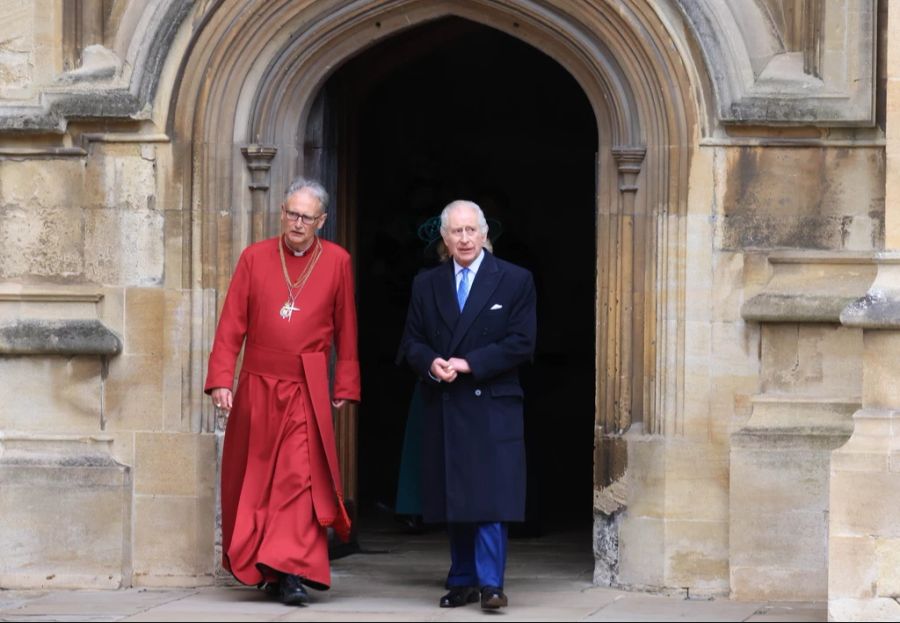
x=473, y=267
x=299, y=253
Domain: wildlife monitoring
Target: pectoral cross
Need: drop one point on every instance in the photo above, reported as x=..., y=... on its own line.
x=287, y=310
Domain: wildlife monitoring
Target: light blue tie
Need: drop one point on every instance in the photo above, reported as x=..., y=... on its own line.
x=462, y=293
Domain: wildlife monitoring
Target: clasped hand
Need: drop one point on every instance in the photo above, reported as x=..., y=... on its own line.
x=446, y=370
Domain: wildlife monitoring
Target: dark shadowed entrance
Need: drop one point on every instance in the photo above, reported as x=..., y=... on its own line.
x=455, y=110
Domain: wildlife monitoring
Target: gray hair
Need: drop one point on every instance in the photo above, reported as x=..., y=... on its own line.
x=459, y=203
x=318, y=191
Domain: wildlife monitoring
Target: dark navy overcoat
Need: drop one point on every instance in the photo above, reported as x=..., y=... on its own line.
x=473, y=466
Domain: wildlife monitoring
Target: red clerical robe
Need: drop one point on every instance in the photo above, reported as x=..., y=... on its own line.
x=280, y=481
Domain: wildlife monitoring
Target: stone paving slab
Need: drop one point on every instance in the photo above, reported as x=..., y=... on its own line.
x=653, y=608
x=547, y=580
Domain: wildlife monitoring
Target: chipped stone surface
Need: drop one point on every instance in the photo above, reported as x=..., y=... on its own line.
x=16, y=48
x=813, y=198
x=124, y=247
x=58, y=337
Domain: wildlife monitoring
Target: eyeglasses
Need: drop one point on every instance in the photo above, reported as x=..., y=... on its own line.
x=306, y=218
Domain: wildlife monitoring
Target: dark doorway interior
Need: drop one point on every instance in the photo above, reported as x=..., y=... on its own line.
x=457, y=110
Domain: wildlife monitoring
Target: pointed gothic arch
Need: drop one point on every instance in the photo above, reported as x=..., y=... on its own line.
x=247, y=84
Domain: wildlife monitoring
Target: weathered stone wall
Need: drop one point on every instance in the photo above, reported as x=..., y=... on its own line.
x=99, y=454
x=30, y=47
x=802, y=197
x=737, y=500
x=727, y=495
x=97, y=225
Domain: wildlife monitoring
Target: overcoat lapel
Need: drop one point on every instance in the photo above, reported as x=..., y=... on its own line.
x=445, y=294
x=486, y=280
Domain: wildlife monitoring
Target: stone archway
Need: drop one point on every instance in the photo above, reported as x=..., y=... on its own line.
x=238, y=116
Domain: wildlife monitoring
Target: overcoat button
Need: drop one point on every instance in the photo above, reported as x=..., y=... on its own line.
x=477, y=392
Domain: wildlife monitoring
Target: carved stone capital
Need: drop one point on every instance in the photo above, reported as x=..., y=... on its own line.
x=259, y=161
x=629, y=160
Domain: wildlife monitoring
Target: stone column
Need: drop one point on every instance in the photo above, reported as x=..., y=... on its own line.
x=259, y=161
x=629, y=160
x=623, y=295
x=864, y=523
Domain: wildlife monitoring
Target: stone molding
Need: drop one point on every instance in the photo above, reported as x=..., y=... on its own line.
x=759, y=79
x=58, y=337
x=78, y=487
x=259, y=162
x=124, y=94
x=755, y=76
x=879, y=307
x=811, y=286
x=54, y=323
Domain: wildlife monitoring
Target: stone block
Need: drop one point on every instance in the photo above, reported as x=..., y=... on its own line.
x=111, y=310
x=124, y=247
x=760, y=583
x=779, y=503
x=728, y=286
x=730, y=405
x=820, y=360
x=133, y=394
x=831, y=357
x=880, y=385
x=67, y=338
x=33, y=184
x=697, y=555
x=43, y=242
x=56, y=394
x=145, y=321
x=866, y=503
x=173, y=540
x=852, y=567
x=646, y=474
x=174, y=464
x=887, y=555
x=798, y=421
x=788, y=540
x=697, y=487
x=176, y=358
x=16, y=56
x=735, y=348
x=865, y=610
x=65, y=508
x=175, y=234
x=642, y=547
x=803, y=198
x=118, y=176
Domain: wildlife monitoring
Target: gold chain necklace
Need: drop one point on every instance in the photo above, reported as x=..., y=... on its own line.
x=288, y=309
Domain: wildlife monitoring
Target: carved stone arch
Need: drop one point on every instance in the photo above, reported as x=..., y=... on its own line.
x=819, y=71
x=252, y=74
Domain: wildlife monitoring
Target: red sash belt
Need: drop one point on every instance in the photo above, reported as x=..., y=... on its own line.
x=310, y=369
x=275, y=363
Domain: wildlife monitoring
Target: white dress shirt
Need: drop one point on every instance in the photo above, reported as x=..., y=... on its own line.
x=473, y=269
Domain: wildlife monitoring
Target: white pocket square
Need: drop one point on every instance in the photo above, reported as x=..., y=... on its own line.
x=496, y=306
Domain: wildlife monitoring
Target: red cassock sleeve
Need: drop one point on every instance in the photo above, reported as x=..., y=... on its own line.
x=346, y=368
x=231, y=330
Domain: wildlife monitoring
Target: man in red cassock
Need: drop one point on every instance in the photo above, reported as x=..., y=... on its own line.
x=290, y=299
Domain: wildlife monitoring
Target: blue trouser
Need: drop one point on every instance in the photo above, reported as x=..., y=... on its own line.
x=477, y=554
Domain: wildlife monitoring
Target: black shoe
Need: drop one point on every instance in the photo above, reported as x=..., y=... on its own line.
x=271, y=589
x=292, y=591
x=493, y=598
x=412, y=524
x=459, y=596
